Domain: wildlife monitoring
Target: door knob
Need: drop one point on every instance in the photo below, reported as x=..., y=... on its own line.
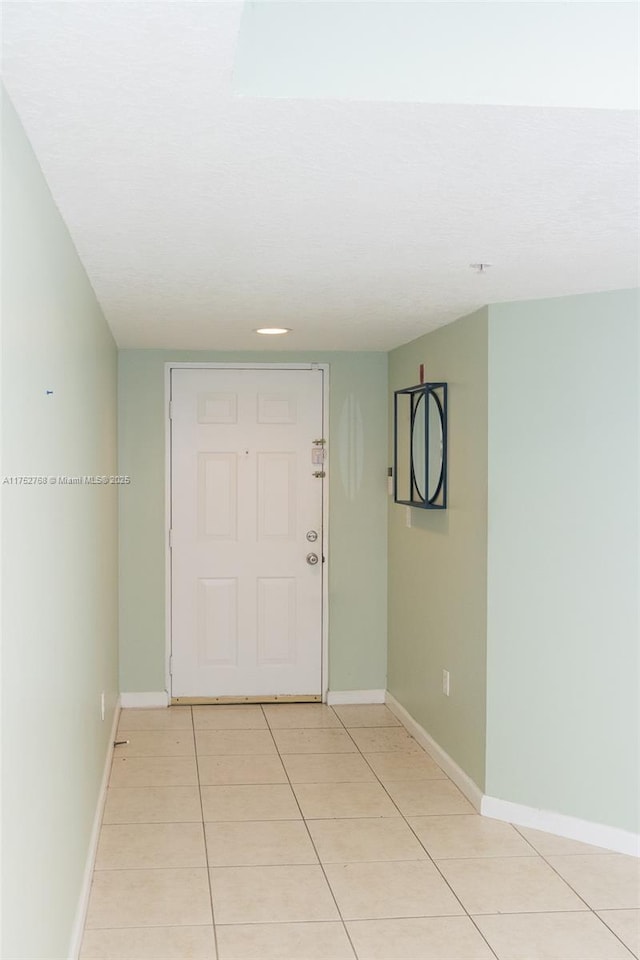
x=312, y=559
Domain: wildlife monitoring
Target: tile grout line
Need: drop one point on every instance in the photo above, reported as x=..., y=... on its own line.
x=204, y=837
x=591, y=909
x=557, y=873
x=401, y=816
x=311, y=840
x=430, y=858
x=626, y=946
x=535, y=853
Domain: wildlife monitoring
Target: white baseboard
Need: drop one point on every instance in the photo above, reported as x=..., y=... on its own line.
x=463, y=781
x=152, y=699
x=597, y=834
x=339, y=698
x=85, y=890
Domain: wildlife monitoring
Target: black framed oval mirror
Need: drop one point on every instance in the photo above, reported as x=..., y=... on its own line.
x=435, y=459
x=418, y=435
x=420, y=446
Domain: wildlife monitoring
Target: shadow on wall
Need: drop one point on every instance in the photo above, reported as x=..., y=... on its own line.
x=351, y=446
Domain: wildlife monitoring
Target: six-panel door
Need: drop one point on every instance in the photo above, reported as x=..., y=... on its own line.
x=246, y=603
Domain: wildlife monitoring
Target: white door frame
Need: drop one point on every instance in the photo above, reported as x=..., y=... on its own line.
x=168, y=367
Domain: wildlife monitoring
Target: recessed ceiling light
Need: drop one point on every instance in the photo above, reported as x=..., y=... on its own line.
x=273, y=331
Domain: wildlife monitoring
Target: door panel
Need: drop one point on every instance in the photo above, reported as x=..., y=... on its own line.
x=276, y=620
x=217, y=495
x=277, y=496
x=246, y=605
x=217, y=624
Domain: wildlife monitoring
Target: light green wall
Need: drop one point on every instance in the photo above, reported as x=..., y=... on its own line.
x=357, y=517
x=59, y=561
x=563, y=696
x=437, y=568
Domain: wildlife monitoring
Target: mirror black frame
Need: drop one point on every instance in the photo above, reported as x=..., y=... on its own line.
x=411, y=496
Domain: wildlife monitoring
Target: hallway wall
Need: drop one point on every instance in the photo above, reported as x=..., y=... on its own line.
x=563, y=670
x=357, y=513
x=59, y=561
x=438, y=567
x=526, y=587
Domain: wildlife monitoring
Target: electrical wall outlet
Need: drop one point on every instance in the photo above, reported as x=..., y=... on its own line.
x=407, y=516
x=445, y=682
x=102, y=705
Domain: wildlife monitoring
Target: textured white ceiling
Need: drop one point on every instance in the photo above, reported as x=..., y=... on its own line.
x=442, y=51
x=200, y=215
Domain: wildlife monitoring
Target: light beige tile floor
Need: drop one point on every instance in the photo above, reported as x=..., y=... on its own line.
x=299, y=832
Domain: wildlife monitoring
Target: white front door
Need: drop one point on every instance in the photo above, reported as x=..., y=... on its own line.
x=246, y=527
